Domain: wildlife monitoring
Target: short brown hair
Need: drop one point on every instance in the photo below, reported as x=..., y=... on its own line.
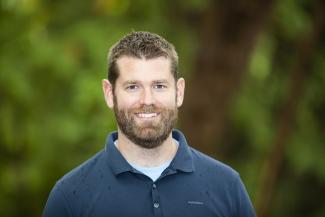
x=141, y=45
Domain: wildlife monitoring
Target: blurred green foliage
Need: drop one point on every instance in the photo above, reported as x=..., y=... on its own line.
x=53, y=116
x=255, y=113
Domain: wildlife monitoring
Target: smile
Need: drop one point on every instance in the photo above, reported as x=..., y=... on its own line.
x=147, y=115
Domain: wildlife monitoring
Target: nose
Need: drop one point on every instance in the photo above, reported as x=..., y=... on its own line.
x=147, y=97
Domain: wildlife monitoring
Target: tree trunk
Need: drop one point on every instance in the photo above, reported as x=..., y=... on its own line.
x=227, y=34
x=300, y=71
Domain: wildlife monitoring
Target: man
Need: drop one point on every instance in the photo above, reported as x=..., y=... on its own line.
x=147, y=168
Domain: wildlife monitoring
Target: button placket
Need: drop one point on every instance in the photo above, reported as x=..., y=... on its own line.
x=155, y=201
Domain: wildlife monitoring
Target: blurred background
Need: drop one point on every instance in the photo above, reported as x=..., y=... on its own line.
x=255, y=74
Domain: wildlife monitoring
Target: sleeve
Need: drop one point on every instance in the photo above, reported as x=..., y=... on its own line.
x=57, y=204
x=242, y=203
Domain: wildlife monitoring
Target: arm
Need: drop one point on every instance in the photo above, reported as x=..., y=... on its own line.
x=242, y=203
x=57, y=204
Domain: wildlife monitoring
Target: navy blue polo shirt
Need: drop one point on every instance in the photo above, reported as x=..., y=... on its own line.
x=194, y=185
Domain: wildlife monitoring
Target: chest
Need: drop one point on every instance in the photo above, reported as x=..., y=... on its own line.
x=169, y=197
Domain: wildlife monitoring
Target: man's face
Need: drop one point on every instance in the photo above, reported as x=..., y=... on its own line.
x=146, y=99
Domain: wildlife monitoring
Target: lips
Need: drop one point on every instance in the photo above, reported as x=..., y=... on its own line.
x=147, y=115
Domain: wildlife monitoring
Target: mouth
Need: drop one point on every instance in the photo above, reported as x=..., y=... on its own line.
x=147, y=115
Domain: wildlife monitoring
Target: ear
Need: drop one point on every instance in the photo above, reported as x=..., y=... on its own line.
x=180, y=90
x=108, y=93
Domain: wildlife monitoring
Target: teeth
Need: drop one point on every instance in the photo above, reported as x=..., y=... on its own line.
x=147, y=115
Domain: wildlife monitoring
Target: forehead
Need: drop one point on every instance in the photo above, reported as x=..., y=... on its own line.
x=132, y=68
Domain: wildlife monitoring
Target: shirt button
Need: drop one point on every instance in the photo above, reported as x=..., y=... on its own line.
x=156, y=205
x=154, y=186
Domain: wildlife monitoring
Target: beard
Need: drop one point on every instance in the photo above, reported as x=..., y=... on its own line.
x=148, y=134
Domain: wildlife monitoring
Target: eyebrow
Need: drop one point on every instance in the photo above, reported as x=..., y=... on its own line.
x=137, y=82
x=161, y=81
x=131, y=82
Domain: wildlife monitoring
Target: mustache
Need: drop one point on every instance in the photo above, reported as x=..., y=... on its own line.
x=147, y=109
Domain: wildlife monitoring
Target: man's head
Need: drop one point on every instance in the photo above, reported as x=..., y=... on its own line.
x=141, y=45
x=144, y=92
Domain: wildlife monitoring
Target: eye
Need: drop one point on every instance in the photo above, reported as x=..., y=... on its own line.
x=132, y=87
x=159, y=86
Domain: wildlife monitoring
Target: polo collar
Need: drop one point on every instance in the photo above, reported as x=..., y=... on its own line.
x=115, y=159
x=182, y=161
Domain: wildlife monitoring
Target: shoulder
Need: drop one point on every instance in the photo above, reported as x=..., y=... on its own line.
x=71, y=192
x=206, y=165
x=213, y=168
x=86, y=174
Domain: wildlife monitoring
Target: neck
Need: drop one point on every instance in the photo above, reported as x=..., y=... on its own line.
x=144, y=157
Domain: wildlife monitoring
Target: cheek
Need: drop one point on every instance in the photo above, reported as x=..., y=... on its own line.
x=167, y=101
x=127, y=101
x=134, y=101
